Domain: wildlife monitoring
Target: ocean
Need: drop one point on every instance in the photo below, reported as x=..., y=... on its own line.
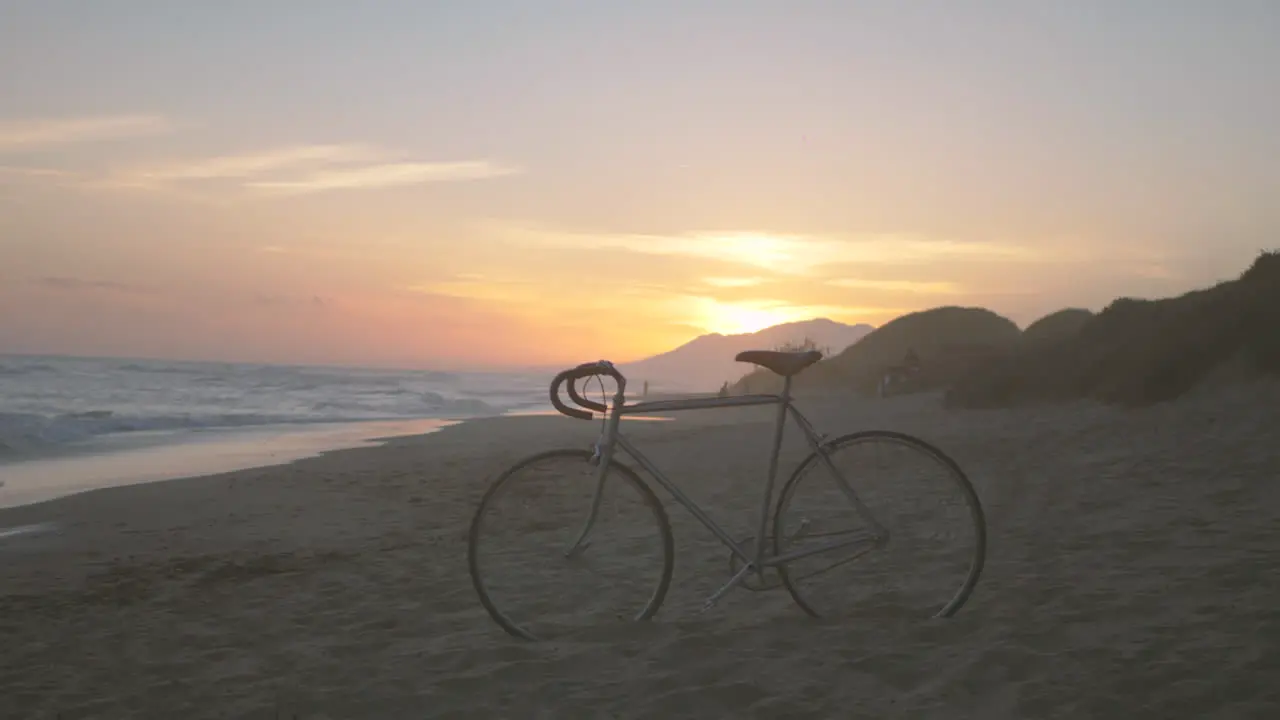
x=70, y=424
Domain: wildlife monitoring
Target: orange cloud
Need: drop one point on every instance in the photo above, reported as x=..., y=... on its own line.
x=252, y=164
x=779, y=254
x=304, y=169
x=908, y=286
x=386, y=175
x=733, y=282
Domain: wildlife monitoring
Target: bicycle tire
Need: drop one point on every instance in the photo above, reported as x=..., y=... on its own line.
x=978, y=559
x=616, y=469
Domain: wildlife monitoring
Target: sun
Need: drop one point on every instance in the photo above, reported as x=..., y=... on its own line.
x=734, y=318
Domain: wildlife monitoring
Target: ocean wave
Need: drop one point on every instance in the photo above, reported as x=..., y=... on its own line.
x=430, y=404
x=157, y=368
x=58, y=401
x=30, y=432
x=26, y=369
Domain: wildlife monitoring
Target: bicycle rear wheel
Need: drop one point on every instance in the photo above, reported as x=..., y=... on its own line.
x=528, y=521
x=937, y=538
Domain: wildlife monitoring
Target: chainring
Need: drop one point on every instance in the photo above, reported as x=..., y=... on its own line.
x=755, y=582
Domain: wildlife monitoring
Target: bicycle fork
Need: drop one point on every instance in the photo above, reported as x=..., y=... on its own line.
x=601, y=456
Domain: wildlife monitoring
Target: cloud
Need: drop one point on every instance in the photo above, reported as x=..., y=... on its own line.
x=386, y=175
x=15, y=176
x=548, y=298
x=779, y=254
x=477, y=286
x=733, y=282
x=44, y=133
x=489, y=286
x=252, y=164
x=74, y=284
x=303, y=169
x=922, y=288
x=276, y=300
x=743, y=316
x=32, y=172
x=289, y=170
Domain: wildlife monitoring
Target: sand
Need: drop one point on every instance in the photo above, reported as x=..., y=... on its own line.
x=1132, y=572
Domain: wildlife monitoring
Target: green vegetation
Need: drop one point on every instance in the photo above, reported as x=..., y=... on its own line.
x=1138, y=352
x=1134, y=352
x=1056, y=326
x=804, y=345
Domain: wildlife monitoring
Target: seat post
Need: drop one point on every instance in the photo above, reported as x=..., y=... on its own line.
x=766, y=499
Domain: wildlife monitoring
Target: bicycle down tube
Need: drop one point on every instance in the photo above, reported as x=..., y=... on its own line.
x=612, y=438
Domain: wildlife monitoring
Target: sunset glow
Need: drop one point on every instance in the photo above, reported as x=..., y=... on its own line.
x=743, y=317
x=435, y=194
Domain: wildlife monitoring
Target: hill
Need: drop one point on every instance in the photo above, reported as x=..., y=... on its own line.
x=706, y=362
x=949, y=342
x=1138, y=352
x=1056, y=326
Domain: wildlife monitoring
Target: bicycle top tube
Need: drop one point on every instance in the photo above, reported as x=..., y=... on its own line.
x=700, y=403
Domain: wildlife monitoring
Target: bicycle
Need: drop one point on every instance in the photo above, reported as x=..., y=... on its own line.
x=751, y=557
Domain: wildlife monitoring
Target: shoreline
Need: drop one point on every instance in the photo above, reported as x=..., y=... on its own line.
x=122, y=463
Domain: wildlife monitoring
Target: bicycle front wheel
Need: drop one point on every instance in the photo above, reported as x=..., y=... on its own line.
x=527, y=524
x=932, y=556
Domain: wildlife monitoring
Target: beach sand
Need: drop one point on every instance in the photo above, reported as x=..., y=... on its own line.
x=1133, y=571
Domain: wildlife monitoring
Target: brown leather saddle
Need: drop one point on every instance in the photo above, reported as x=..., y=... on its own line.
x=783, y=363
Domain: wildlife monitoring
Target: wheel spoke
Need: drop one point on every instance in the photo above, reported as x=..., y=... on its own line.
x=891, y=479
x=833, y=565
x=529, y=541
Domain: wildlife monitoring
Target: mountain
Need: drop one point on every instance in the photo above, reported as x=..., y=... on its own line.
x=948, y=342
x=704, y=363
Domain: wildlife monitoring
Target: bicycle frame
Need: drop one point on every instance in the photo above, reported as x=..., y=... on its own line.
x=757, y=560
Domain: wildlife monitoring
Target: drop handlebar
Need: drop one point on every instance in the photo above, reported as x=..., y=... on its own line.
x=571, y=376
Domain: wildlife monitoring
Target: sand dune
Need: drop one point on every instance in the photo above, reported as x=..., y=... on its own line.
x=1131, y=573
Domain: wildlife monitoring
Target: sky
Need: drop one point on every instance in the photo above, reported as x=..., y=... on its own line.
x=500, y=183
